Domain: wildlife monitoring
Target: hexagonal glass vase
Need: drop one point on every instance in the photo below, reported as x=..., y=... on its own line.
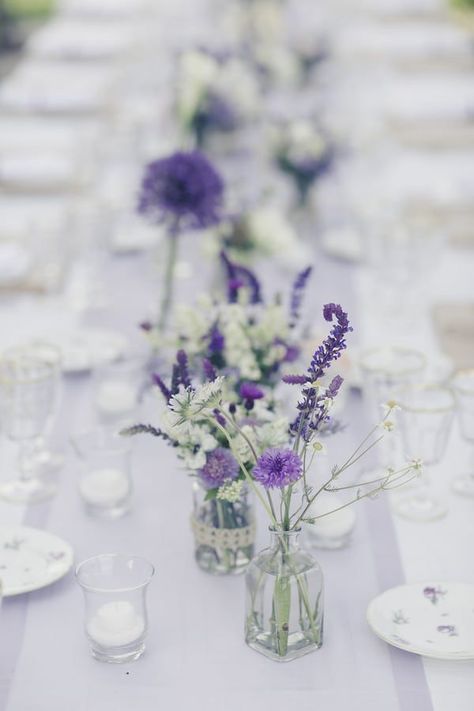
x=284, y=600
x=224, y=532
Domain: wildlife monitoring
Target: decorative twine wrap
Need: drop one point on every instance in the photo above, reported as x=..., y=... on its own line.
x=231, y=538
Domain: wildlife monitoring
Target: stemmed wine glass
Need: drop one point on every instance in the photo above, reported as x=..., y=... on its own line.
x=27, y=399
x=385, y=370
x=426, y=417
x=463, y=386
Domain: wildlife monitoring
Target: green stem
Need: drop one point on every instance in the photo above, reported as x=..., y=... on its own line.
x=167, y=294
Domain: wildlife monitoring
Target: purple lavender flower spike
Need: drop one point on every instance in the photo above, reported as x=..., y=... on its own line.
x=182, y=362
x=297, y=294
x=209, y=370
x=216, y=340
x=295, y=379
x=184, y=189
x=239, y=276
x=220, y=466
x=277, y=468
x=166, y=392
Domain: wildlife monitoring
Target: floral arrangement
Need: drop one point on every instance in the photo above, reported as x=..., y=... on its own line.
x=303, y=152
x=261, y=232
x=242, y=337
x=214, y=94
x=184, y=191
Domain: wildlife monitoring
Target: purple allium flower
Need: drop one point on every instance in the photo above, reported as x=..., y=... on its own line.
x=297, y=294
x=249, y=392
x=239, y=276
x=183, y=188
x=220, y=466
x=277, y=468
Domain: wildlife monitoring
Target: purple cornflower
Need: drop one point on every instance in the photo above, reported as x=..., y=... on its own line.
x=220, y=466
x=277, y=468
x=184, y=189
x=297, y=294
x=249, y=392
x=238, y=277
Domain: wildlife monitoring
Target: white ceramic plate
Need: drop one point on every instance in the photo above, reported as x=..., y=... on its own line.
x=31, y=559
x=432, y=619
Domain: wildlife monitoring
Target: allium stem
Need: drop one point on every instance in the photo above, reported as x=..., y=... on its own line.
x=167, y=293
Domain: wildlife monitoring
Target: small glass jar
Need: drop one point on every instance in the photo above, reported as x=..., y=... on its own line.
x=333, y=524
x=224, y=532
x=104, y=472
x=118, y=387
x=114, y=587
x=284, y=606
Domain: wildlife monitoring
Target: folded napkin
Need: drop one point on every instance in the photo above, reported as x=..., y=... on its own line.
x=75, y=39
x=38, y=172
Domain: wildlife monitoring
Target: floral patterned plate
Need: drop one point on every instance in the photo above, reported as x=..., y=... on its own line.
x=432, y=619
x=31, y=559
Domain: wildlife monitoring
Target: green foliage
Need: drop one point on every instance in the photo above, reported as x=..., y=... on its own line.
x=30, y=8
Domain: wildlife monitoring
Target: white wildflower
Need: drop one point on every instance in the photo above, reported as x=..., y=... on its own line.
x=230, y=491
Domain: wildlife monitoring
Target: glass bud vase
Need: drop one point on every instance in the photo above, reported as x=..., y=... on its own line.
x=224, y=532
x=284, y=606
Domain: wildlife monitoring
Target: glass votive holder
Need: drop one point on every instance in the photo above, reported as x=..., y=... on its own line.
x=104, y=472
x=333, y=525
x=118, y=386
x=114, y=587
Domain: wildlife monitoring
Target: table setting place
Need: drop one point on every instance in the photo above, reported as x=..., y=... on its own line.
x=236, y=355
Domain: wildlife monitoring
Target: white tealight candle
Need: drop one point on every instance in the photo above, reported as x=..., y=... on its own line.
x=332, y=530
x=115, y=397
x=116, y=624
x=104, y=487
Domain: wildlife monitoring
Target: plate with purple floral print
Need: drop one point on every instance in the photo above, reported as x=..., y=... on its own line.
x=31, y=559
x=432, y=619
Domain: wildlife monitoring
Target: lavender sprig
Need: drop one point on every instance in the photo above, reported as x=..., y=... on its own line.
x=238, y=277
x=297, y=294
x=147, y=429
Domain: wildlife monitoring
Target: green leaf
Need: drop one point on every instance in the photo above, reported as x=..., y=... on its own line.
x=211, y=494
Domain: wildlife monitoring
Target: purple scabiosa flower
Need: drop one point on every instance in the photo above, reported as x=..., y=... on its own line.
x=220, y=466
x=297, y=294
x=249, y=392
x=184, y=189
x=277, y=468
x=238, y=277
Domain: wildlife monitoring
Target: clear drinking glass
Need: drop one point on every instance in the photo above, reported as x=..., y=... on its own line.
x=224, y=532
x=463, y=386
x=284, y=608
x=426, y=417
x=28, y=388
x=114, y=587
x=104, y=470
x=385, y=371
x=42, y=454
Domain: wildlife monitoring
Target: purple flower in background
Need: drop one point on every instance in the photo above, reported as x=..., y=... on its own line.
x=297, y=294
x=238, y=277
x=216, y=340
x=219, y=467
x=214, y=114
x=209, y=370
x=250, y=392
x=183, y=188
x=277, y=468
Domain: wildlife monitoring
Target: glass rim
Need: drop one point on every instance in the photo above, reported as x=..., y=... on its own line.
x=128, y=588
x=397, y=349
x=424, y=409
x=7, y=357
x=124, y=444
x=282, y=532
x=460, y=373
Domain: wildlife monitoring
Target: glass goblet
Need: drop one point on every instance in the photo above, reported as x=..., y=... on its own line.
x=27, y=400
x=385, y=371
x=463, y=386
x=426, y=417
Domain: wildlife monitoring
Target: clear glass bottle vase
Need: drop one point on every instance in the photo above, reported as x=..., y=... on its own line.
x=224, y=532
x=284, y=605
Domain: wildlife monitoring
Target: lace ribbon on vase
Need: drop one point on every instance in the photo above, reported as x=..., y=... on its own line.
x=232, y=538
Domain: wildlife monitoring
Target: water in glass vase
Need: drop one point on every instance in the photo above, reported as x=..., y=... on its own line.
x=224, y=532
x=284, y=608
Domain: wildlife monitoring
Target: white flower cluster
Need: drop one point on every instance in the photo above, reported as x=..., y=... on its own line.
x=230, y=491
x=299, y=140
x=200, y=74
x=273, y=234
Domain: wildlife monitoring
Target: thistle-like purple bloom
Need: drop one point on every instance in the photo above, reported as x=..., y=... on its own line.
x=250, y=392
x=184, y=189
x=221, y=466
x=277, y=468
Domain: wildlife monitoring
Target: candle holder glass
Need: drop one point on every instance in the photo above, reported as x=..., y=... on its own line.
x=118, y=387
x=104, y=472
x=463, y=386
x=114, y=587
